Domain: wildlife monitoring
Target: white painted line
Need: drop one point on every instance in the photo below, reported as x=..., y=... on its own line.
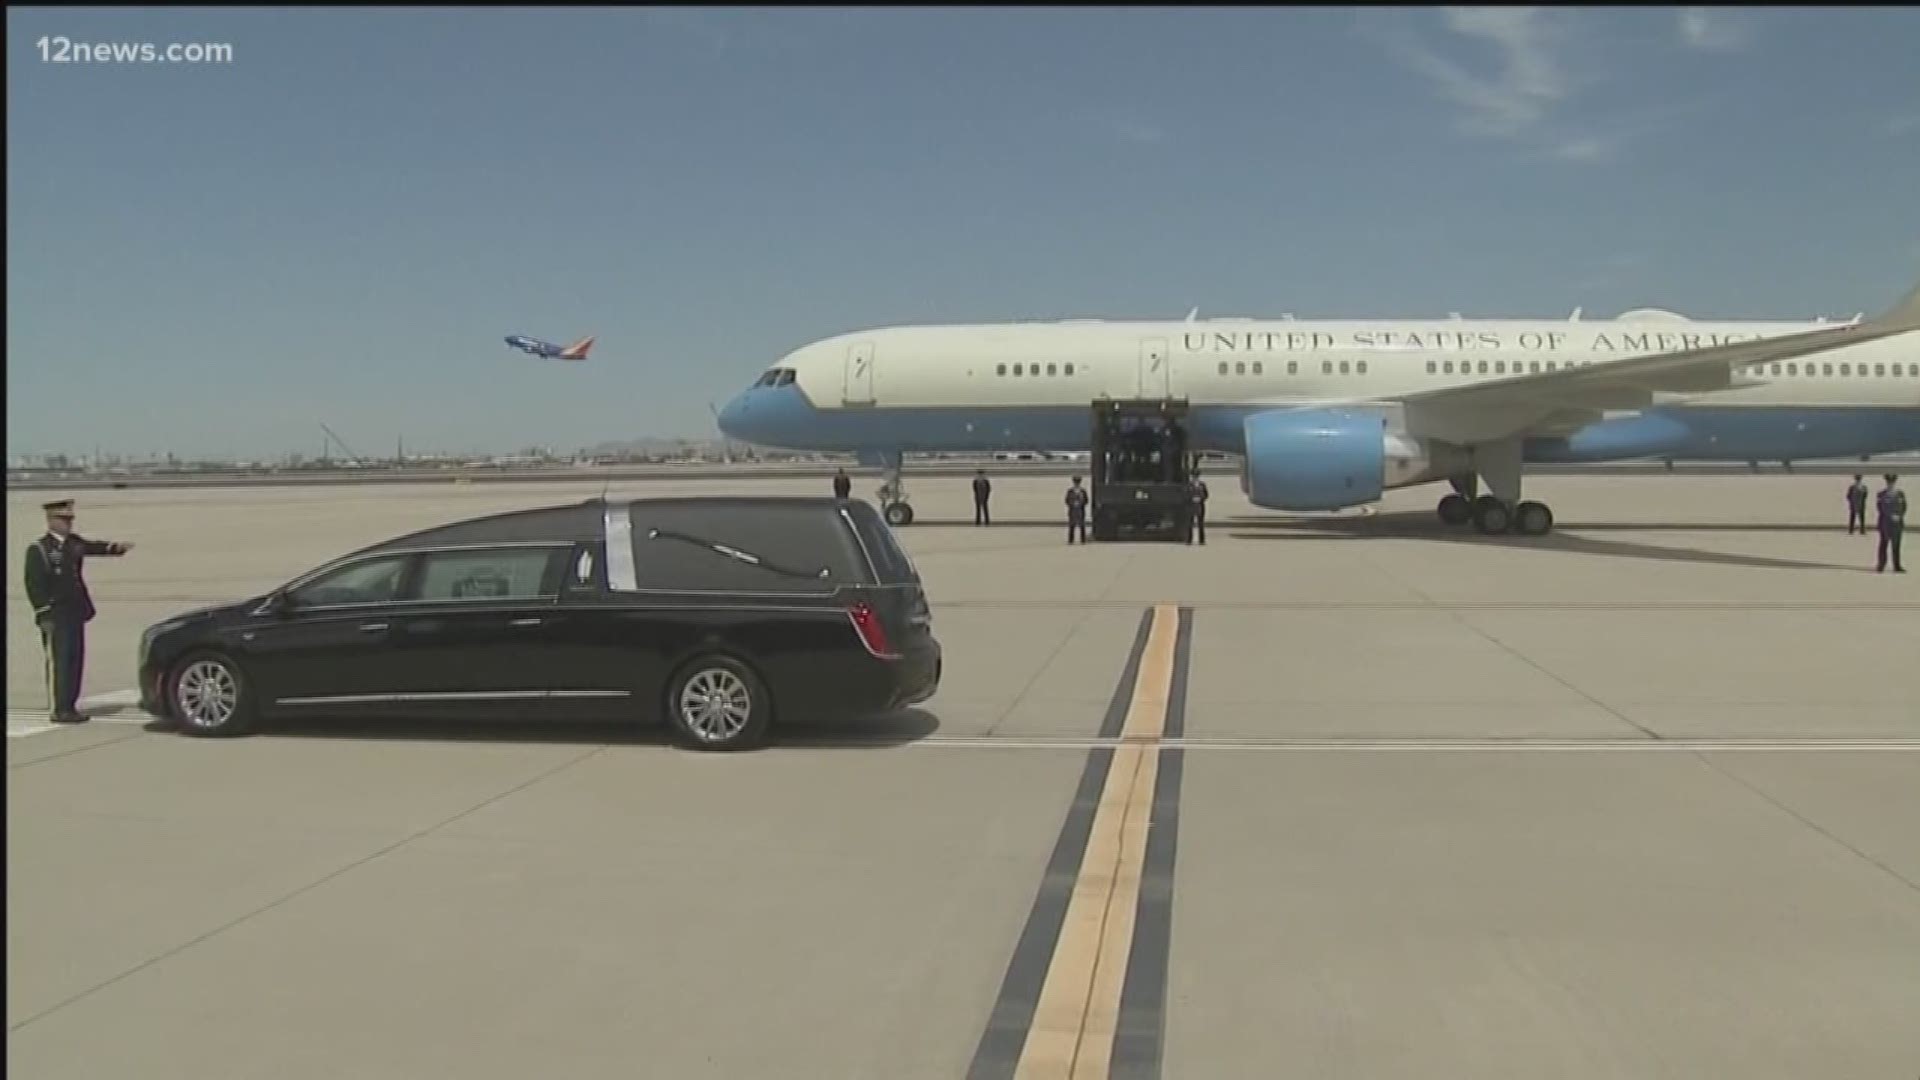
x=963, y=742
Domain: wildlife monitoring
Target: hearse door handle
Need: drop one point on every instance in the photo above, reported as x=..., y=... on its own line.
x=371, y=627
x=525, y=622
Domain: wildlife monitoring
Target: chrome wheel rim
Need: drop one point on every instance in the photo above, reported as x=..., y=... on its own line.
x=207, y=693
x=715, y=705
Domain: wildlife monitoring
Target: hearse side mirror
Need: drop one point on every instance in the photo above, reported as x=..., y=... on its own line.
x=276, y=604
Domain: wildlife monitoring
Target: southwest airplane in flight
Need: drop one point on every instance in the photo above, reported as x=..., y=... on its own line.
x=1326, y=415
x=547, y=350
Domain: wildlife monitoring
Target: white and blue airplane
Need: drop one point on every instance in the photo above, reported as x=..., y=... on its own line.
x=1325, y=415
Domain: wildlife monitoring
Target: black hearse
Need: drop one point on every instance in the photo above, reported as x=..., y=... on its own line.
x=720, y=615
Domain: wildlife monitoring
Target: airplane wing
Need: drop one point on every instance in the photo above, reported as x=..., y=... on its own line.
x=1559, y=401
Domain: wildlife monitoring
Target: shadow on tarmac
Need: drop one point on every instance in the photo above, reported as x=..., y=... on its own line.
x=888, y=730
x=1423, y=525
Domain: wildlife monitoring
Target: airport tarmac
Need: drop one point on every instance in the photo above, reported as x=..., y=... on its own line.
x=1348, y=795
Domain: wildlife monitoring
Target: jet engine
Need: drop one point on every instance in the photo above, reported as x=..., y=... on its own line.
x=1329, y=459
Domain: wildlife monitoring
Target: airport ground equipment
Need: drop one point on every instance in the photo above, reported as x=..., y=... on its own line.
x=1139, y=468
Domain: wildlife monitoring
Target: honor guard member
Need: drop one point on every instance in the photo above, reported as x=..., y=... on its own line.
x=1196, y=507
x=982, y=490
x=1857, y=505
x=842, y=484
x=57, y=588
x=1076, y=511
x=1892, y=505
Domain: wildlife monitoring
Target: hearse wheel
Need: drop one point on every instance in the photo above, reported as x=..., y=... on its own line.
x=718, y=703
x=208, y=695
x=899, y=513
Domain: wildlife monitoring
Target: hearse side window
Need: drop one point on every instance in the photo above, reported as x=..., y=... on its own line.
x=375, y=581
x=793, y=543
x=492, y=574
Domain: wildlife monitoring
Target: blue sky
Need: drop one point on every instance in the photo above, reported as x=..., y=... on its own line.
x=340, y=225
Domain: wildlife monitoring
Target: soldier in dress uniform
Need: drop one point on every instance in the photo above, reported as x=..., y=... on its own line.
x=1892, y=507
x=982, y=491
x=1076, y=511
x=842, y=484
x=57, y=588
x=1857, y=506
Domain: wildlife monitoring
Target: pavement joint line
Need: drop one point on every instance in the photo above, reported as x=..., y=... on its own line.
x=351, y=866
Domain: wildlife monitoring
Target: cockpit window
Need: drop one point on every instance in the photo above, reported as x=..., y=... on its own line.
x=786, y=377
x=775, y=377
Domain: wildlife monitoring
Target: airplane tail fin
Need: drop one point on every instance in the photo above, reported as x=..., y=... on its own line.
x=577, y=350
x=1905, y=315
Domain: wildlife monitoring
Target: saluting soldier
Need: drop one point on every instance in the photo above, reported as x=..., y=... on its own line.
x=57, y=588
x=1076, y=511
x=1196, y=507
x=1892, y=505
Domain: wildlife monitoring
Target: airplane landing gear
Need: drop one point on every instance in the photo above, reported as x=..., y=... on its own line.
x=1503, y=511
x=893, y=492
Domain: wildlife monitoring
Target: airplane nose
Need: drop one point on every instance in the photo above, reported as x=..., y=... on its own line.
x=732, y=417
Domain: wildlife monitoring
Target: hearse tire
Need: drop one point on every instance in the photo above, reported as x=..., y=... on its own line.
x=208, y=696
x=717, y=702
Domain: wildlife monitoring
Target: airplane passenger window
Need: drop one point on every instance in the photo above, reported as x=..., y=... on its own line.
x=1326, y=367
x=1016, y=370
x=1069, y=369
x=1051, y=369
x=1483, y=367
x=1361, y=366
x=1449, y=367
x=1846, y=369
x=1880, y=370
x=1258, y=367
x=1793, y=369
x=1002, y=370
x=1776, y=369
x=1240, y=368
x=1434, y=365
x=1533, y=367
x=1293, y=367
x=1223, y=367
x=1826, y=369
x=1343, y=367
x=1553, y=365
x=1499, y=367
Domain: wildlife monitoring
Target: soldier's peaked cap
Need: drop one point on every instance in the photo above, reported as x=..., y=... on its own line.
x=58, y=506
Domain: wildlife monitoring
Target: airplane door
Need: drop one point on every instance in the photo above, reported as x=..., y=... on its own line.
x=1156, y=374
x=859, y=389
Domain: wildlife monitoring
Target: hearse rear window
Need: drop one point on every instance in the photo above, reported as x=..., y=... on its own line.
x=708, y=548
x=889, y=558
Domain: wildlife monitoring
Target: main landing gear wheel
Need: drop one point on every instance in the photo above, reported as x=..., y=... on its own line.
x=1491, y=516
x=898, y=513
x=1456, y=510
x=1532, y=519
